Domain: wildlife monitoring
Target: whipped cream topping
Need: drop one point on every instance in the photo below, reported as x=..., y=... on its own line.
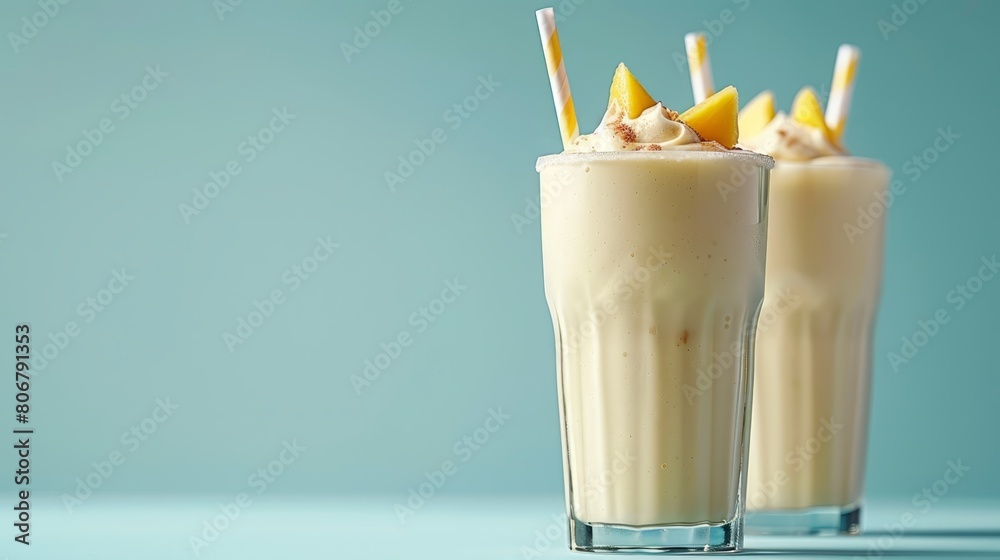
x=655, y=129
x=786, y=139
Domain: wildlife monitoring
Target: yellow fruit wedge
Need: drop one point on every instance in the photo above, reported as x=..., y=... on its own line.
x=808, y=111
x=757, y=114
x=626, y=91
x=716, y=118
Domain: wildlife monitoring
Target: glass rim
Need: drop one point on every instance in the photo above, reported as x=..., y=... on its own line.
x=836, y=162
x=760, y=160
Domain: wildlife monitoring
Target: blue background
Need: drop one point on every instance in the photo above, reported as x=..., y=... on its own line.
x=324, y=175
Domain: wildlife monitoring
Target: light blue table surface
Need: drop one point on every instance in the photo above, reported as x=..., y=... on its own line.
x=280, y=527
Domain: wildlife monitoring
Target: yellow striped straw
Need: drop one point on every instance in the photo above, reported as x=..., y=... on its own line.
x=565, y=111
x=842, y=90
x=700, y=66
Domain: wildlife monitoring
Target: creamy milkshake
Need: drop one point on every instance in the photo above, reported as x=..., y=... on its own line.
x=654, y=274
x=813, y=350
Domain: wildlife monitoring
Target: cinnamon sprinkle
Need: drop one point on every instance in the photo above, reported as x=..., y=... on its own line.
x=625, y=132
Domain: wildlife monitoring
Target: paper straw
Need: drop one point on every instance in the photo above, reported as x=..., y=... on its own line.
x=700, y=66
x=842, y=90
x=565, y=111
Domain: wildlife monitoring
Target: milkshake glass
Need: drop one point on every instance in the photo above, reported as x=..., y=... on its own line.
x=814, y=348
x=654, y=276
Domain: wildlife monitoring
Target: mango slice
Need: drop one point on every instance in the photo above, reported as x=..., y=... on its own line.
x=629, y=95
x=807, y=110
x=757, y=114
x=716, y=118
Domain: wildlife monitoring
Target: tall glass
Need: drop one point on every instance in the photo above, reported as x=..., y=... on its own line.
x=654, y=275
x=814, y=346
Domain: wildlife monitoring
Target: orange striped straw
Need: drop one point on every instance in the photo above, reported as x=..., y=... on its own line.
x=565, y=111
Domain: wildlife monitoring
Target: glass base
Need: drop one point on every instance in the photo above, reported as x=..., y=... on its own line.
x=829, y=520
x=708, y=537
